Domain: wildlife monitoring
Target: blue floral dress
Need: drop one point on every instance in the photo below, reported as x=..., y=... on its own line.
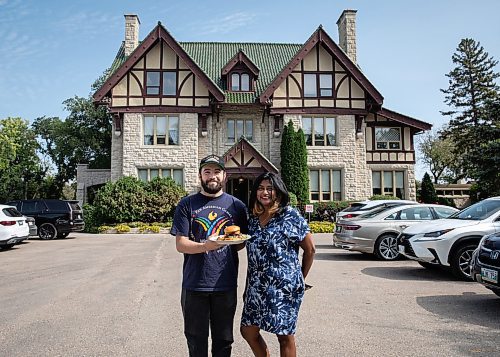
x=275, y=285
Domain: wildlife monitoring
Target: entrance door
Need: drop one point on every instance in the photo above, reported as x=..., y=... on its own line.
x=240, y=188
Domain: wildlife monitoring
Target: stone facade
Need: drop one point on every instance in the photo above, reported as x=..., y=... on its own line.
x=184, y=156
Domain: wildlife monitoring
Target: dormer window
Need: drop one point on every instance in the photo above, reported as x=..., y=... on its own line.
x=240, y=82
x=240, y=73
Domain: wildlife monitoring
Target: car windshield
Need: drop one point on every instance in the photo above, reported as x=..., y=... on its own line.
x=478, y=211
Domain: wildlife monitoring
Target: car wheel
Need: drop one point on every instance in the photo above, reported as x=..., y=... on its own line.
x=62, y=235
x=460, y=262
x=386, y=247
x=428, y=265
x=47, y=231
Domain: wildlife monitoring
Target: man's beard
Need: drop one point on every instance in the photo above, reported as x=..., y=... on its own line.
x=210, y=189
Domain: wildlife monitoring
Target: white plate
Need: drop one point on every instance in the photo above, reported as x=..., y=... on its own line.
x=229, y=242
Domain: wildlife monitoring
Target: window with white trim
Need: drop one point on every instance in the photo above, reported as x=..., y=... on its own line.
x=325, y=185
x=151, y=173
x=388, y=138
x=388, y=183
x=238, y=128
x=161, y=130
x=240, y=82
x=320, y=131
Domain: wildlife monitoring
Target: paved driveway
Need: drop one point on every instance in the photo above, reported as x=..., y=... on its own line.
x=118, y=295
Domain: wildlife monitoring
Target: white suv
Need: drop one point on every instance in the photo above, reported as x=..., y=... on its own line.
x=451, y=242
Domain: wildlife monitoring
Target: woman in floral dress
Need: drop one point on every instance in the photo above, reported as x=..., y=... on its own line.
x=275, y=277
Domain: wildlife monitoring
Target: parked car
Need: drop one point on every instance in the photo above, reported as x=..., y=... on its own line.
x=54, y=218
x=485, y=263
x=376, y=232
x=450, y=242
x=13, y=227
x=32, y=225
x=359, y=208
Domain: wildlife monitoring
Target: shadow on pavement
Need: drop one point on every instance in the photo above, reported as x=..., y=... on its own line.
x=325, y=246
x=408, y=273
x=471, y=308
x=342, y=255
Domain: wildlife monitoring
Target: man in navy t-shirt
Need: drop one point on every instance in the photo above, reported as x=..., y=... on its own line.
x=210, y=271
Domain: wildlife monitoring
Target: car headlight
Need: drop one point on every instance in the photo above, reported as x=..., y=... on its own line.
x=433, y=235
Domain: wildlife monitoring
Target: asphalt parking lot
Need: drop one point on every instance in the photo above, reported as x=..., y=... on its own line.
x=118, y=295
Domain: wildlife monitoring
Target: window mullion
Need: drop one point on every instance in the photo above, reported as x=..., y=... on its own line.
x=331, y=185
x=155, y=126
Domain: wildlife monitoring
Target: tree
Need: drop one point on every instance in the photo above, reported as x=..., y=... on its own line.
x=294, y=169
x=471, y=85
x=20, y=166
x=428, y=192
x=287, y=156
x=83, y=137
x=437, y=155
x=302, y=185
x=483, y=161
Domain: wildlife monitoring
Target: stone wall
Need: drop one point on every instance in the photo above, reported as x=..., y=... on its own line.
x=409, y=169
x=183, y=156
x=86, y=177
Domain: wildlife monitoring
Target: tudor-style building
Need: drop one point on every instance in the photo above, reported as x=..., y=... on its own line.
x=176, y=102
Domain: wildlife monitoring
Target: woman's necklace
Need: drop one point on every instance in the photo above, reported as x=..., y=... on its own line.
x=264, y=219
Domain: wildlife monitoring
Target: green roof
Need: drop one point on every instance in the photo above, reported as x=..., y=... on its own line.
x=270, y=58
x=211, y=57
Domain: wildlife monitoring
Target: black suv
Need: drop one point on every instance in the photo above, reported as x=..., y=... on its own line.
x=54, y=218
x=485, y=262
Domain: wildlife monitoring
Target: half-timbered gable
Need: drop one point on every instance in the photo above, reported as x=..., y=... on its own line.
x=321, y=78
x=176, y=102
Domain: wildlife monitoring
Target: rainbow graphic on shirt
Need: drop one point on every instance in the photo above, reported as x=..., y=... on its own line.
x=212, y=225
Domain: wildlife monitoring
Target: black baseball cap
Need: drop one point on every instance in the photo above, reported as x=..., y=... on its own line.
x=212, y=159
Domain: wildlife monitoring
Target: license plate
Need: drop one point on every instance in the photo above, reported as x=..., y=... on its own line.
x=338, y=229
x=489, y=275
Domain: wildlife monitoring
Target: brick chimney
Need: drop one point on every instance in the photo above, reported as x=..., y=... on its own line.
x=347, y=33
x=131, y=33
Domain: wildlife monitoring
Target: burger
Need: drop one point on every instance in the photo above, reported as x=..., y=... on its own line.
x=231, y=233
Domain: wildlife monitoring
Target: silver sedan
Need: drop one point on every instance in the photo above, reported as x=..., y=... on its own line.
x=376, y=232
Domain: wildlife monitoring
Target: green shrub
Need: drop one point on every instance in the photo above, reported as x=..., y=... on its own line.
x=90, y=218
x=293, y=199
x=121, y=201
x=163, y=194
x=383, y=197
x=321, y=227
x=131, y=200
x=325, y=211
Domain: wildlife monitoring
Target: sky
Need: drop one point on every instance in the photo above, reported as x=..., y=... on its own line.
x=54, y=50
